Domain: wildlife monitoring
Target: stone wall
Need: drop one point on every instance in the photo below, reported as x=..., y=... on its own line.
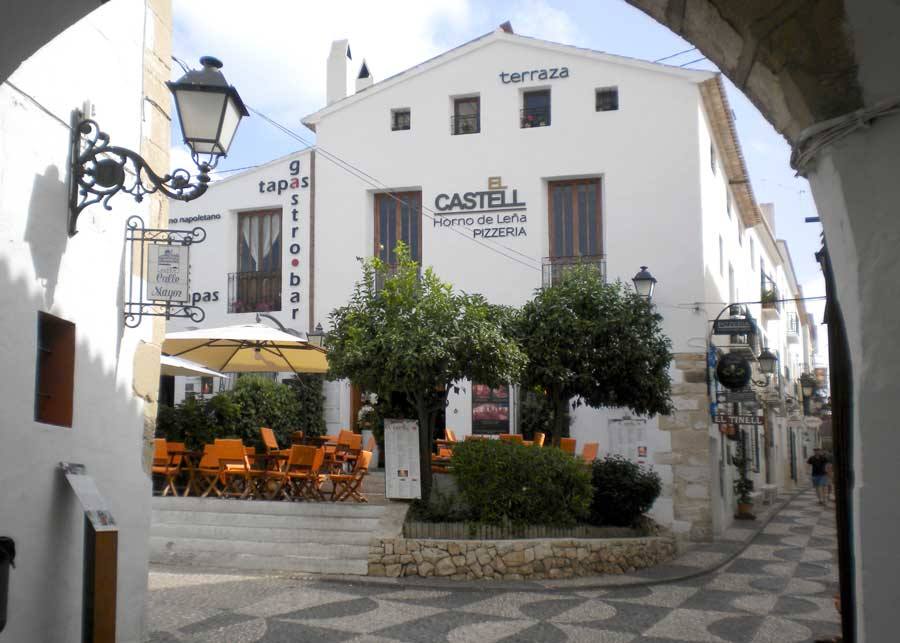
x=690, y=457
x=515, y=560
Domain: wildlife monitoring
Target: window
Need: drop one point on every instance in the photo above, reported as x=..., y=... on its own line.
x=575, y=218
x=752, y=255
x=732, y=295
x=721, y=257
x=466, y=115
x=400, y=119
x=536, y=108
x=606, y=99
x=490, y=409
x=55, y=370
x=712, y=157
x=575, y=227
x=256, y=286
x=398, y=217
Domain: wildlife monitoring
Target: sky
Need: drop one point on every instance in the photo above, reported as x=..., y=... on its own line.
x=274, y=52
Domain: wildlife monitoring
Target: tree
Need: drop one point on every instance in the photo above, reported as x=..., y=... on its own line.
x=595, y=343
x=417, y=336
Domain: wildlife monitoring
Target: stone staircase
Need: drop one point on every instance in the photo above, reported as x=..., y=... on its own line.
x=291, y=537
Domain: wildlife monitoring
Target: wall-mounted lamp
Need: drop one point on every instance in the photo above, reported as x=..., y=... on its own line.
x=316, y=337
x=209, y=110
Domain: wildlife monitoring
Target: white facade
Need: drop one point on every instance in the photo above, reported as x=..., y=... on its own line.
x=80, y=280
x=661, y=202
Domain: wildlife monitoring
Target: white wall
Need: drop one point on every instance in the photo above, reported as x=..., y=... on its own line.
x=78, y=279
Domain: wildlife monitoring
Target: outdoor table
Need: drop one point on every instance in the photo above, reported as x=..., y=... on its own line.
x=190, y=460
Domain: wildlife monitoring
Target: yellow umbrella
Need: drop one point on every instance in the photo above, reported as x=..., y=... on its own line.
x=248, y=348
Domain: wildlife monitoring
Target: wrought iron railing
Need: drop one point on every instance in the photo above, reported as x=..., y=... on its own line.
x=254, y=292
x=535, y=116
x=465, y=124
x=769, y=295
x=793, y=323
x=555, y=267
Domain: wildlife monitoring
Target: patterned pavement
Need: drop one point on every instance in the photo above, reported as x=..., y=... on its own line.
x=778, y=590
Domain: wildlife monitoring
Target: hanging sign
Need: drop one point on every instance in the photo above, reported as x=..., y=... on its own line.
x=751, y=420
x=733, y=371
x=737, y=396
x=167, y=272
x=733, y=327
x=401, y=459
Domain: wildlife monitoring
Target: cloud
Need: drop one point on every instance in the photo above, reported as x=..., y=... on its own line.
x=540, y=20
x=275, y=51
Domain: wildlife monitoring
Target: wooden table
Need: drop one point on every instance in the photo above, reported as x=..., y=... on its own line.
x=190, y=460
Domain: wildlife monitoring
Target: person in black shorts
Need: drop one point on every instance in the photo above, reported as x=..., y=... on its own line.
x=819, y=463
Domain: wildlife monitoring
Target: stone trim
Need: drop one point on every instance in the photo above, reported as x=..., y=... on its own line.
x=516, y=560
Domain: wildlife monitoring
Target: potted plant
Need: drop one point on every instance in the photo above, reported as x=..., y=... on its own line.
x=768, y=298
x=743, y=486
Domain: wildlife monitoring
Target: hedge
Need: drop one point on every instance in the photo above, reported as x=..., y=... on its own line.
x=506, y=483
x=623, y=491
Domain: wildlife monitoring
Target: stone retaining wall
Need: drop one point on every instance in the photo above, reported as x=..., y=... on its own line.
x=516, y=560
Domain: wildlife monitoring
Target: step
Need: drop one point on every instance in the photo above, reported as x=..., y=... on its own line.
x=228, y=547
x=259, y=534
x=253, y=562
x=228, y=519
x=265, y=507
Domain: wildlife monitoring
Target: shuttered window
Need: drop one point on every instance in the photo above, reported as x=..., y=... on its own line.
x=398, y=217
x=575, y=219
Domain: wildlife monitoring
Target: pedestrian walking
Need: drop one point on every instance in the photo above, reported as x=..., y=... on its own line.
x=819, y=471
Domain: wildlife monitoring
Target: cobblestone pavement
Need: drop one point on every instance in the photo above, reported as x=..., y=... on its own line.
x=778, y=590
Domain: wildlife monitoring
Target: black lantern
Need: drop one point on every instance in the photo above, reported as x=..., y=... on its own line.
x=767, y=361
x=644, y=283
x=210, y=111
x=316, y=337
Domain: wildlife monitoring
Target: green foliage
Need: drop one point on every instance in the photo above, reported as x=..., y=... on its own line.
x=440, y=507
x=623, y=491
x=536, y=414
x=505, y=482
x=597, y=343
x=310, y=414
x=239, y=413
x=415, y=335
x=743, y=485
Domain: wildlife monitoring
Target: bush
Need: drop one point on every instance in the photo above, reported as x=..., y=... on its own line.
x=504, y=482
x=623, y=491
x=239, y=413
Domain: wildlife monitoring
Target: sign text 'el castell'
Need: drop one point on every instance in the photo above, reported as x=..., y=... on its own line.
x=495, y=212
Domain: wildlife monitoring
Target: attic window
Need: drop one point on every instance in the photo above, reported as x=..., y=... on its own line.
x=400, y=119
x=607, y=99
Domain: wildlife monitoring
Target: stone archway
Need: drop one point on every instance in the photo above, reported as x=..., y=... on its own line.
x=820, y=72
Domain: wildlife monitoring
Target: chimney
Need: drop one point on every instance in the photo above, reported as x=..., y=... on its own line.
x=768, y=211
x=364, y=79
x=336, y=73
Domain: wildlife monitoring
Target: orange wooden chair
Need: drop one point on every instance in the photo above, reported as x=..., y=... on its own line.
x=303, y=476
x=567, y=445
x=237, y=476
x=166, y=465
x=277, y=480
x=346, y=485
x=269, y=440
x=208, y=472
x=538, y=439
x=349, y=448
x=589, y=451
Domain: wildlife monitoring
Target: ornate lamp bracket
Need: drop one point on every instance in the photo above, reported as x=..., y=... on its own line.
x=100, y=171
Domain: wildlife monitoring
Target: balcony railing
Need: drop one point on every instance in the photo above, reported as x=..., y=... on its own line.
x=465, y=124
x=555, y=267
x=254, y=292
x=535, y=117
x=769, y=295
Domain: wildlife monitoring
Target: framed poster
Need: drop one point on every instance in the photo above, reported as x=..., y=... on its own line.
x=167, y=272
x=490, y=410
x=401, y=459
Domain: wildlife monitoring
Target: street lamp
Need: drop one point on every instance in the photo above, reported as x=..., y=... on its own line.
x=767, y=361
x=644, y=283
x=209, y=109
x=316, y=337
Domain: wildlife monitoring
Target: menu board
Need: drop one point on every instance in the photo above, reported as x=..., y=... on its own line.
x=490, y=410
x=628, y=438
x=401, y=459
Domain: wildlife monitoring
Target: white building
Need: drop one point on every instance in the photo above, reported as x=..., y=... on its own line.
x=502, y=160
x=76, y=385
